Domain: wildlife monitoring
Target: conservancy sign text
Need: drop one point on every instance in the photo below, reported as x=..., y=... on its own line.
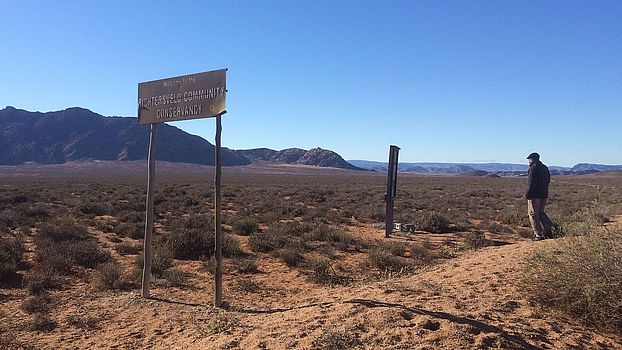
x=192, y=96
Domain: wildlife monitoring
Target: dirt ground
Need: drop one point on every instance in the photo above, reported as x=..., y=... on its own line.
x=469, y=302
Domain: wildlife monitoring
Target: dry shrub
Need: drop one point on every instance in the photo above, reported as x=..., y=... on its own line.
x=40, y=303
x=246, y=266
x=513, y=216
x=395, y=248
x=41, y=278
x=190, y=238
x=433, y=222
x=126, y=248
x=11, y=250
x=422, y=252
x=248, y=286
x=108, y=276
x=245, y=226
x=382, y=259
x=231, y=247
x=582, y=277
x=43, y=323
x=475, y=240
x=321, y=271
x=174, y=277
x=337, y=341
x=291, y=256
x=161, y=260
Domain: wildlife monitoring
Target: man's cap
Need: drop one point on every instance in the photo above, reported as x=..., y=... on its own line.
x=534, y=155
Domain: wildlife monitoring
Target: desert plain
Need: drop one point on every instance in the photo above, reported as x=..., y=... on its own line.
x=307, y=264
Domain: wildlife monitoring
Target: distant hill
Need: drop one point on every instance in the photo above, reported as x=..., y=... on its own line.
x=583, y=167
x=499, y=169
x=316, y=156
x=79, y=134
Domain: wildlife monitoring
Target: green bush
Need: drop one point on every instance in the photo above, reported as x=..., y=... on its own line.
x=245, y=226
x=246, y=266
x=581, y=276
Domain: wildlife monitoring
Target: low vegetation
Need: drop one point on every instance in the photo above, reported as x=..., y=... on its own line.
x=581, y=275
x=55, y=236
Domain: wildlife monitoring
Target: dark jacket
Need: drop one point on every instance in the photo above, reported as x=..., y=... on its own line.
x=539, y=178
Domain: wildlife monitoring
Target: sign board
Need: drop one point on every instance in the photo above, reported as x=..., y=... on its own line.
x=193, y=96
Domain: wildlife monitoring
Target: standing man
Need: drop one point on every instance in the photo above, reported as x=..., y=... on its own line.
x=537, y=194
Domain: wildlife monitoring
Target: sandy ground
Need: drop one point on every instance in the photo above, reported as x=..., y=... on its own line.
x=469, y=302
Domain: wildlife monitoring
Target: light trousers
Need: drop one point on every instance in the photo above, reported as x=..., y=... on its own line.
x=540, y=222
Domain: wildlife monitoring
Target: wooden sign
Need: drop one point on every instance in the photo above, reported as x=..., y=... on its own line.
x=193, y=96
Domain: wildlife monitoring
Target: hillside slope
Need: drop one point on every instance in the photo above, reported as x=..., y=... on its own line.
x=77, y=134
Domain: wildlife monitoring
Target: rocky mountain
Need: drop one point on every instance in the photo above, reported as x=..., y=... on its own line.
x=316, y=156
x=79, y=134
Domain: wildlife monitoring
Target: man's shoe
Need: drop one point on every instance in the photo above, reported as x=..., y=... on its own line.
x=538, y=238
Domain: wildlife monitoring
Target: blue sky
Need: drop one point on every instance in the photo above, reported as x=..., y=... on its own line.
x=447, y=81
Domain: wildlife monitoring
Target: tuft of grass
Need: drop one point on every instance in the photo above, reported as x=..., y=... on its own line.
x=231, y=247
x=175, y=277
x=581, y=276
x=222, y=322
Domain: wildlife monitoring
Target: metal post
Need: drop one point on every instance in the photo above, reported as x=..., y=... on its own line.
x=391, y=189
x=218, y=205
x=149, y=213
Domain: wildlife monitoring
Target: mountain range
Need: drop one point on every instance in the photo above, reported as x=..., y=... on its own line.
x=80, y=134
x=77, y=134
x=502, y=169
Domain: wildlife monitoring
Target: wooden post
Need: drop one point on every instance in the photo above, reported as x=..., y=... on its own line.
x=218, y=207
x=149, y=213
